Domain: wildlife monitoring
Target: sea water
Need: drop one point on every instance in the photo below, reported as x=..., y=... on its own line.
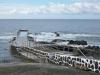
x=75, y=29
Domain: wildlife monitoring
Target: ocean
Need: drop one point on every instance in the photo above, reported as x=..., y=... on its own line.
x=51, y=25
x=77, y=29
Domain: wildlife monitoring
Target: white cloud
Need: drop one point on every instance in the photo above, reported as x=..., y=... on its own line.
x=88, y=0
x=74, y=8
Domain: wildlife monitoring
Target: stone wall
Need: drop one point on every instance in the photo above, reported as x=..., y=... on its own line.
x=76, y=61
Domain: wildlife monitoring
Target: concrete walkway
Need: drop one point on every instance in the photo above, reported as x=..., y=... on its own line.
x=39, y=69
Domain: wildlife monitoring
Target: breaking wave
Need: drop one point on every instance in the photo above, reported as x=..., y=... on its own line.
x=44, y=36
x=49, y=36
x=5, y=37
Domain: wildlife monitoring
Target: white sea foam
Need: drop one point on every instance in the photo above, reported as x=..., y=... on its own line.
x=49, y=36
x=78, y=35
x=6, y=37
x=44, y=36
x=6, y=33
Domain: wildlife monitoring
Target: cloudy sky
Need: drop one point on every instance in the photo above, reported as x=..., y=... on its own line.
x=60, y=9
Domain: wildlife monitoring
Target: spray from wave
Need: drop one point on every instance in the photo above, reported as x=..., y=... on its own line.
x=5, y=37
x=66, y=36
x=49, y=36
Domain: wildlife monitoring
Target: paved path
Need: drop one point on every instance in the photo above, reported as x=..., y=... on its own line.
x=39, y=69
x=46, y=65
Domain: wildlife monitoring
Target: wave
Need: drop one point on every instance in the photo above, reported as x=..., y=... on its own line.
x=48, y=36
x=69, y=34
x=6, y=37
x=6, y=33
x=78, y=35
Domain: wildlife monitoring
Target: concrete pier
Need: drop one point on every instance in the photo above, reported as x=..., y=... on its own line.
x=45, y=53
